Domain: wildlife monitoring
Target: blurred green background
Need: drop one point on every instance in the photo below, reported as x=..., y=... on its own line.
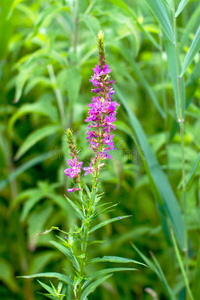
x=47, y=53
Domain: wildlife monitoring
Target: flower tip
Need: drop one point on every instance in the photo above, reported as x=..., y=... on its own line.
x=100, y=35
x=72, y=190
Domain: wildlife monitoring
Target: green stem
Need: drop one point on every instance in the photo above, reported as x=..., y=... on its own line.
x=57, y=93
x=181, y=122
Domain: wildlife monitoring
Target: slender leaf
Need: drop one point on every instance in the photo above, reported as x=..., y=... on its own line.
x=63, y=249
x=157, y=269
x=179, y=259
x=107, y=222
x=160, y=179
x=32, y=162
x=61, y=277
x=194, y=48
x=35, y=137
x=124, y=6
x=110, y=270
x=196, y=285
x=181, y=6
x=192, y=23
x=115, y=259
x=75, y=207
x=173, y=66
x=47, y=288
x=160, y=13
x=91, y=288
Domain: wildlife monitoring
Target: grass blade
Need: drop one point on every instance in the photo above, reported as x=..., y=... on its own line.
x=196, y=285
x=174, y=74
x=179, y=259
x=124, y=6
x=181, y=6
x=194, y=48
x=169, y=200
x=160, y=13
x=193, y=171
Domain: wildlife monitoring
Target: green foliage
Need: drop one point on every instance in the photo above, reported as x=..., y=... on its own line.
x=46, y=57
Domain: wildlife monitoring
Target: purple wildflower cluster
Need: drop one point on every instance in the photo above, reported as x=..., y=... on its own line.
x=101, y=119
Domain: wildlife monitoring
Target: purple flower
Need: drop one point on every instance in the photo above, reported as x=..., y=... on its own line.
x=108, y=123
x=101, y=115
x=89, y=169
x=75, y=168
x=72, y=190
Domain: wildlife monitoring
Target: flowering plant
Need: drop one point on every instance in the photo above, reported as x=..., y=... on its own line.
x=101, y=118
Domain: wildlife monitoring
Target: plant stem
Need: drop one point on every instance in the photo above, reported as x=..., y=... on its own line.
x=181, y=122
x=57, y=93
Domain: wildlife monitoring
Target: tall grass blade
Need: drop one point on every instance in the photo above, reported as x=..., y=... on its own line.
x=176, y=81
x=127, y=55
x=160, y=180
x=160, y=13
x=196, y=285
x=124, y=6
x=193, y=171
x=191, y=25
x=181, y=6
x=194, y=48
x=179, y=259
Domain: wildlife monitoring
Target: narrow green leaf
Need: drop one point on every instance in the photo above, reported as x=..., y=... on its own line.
x=61, y=277
x=91, y=288
x=115, y=259
x=128, y=56
x=35, y=137
x=157, y=269
x=181, y=6
x=107, y=222
x=43, y=106
x=110, y=270
x=196, y=285
x=170, y=202
x=7, y=275
x=47, y=288
x=124, y=6
x=92, y=23
x=192, y=173
x=160, y=13
x=146, y=260
x=163, y=278
x=192, y=23
x=194, y=48
x=176, y=80
x=34, y=161
x=63, y=249
x=180, y=262
x=14, y=4
x=75, y=207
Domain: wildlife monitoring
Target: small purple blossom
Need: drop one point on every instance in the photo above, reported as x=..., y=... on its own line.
x=72, y=190
x=75, y=168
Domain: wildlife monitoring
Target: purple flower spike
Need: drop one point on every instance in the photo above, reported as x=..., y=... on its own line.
x=101, y=115
x=119, y=218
